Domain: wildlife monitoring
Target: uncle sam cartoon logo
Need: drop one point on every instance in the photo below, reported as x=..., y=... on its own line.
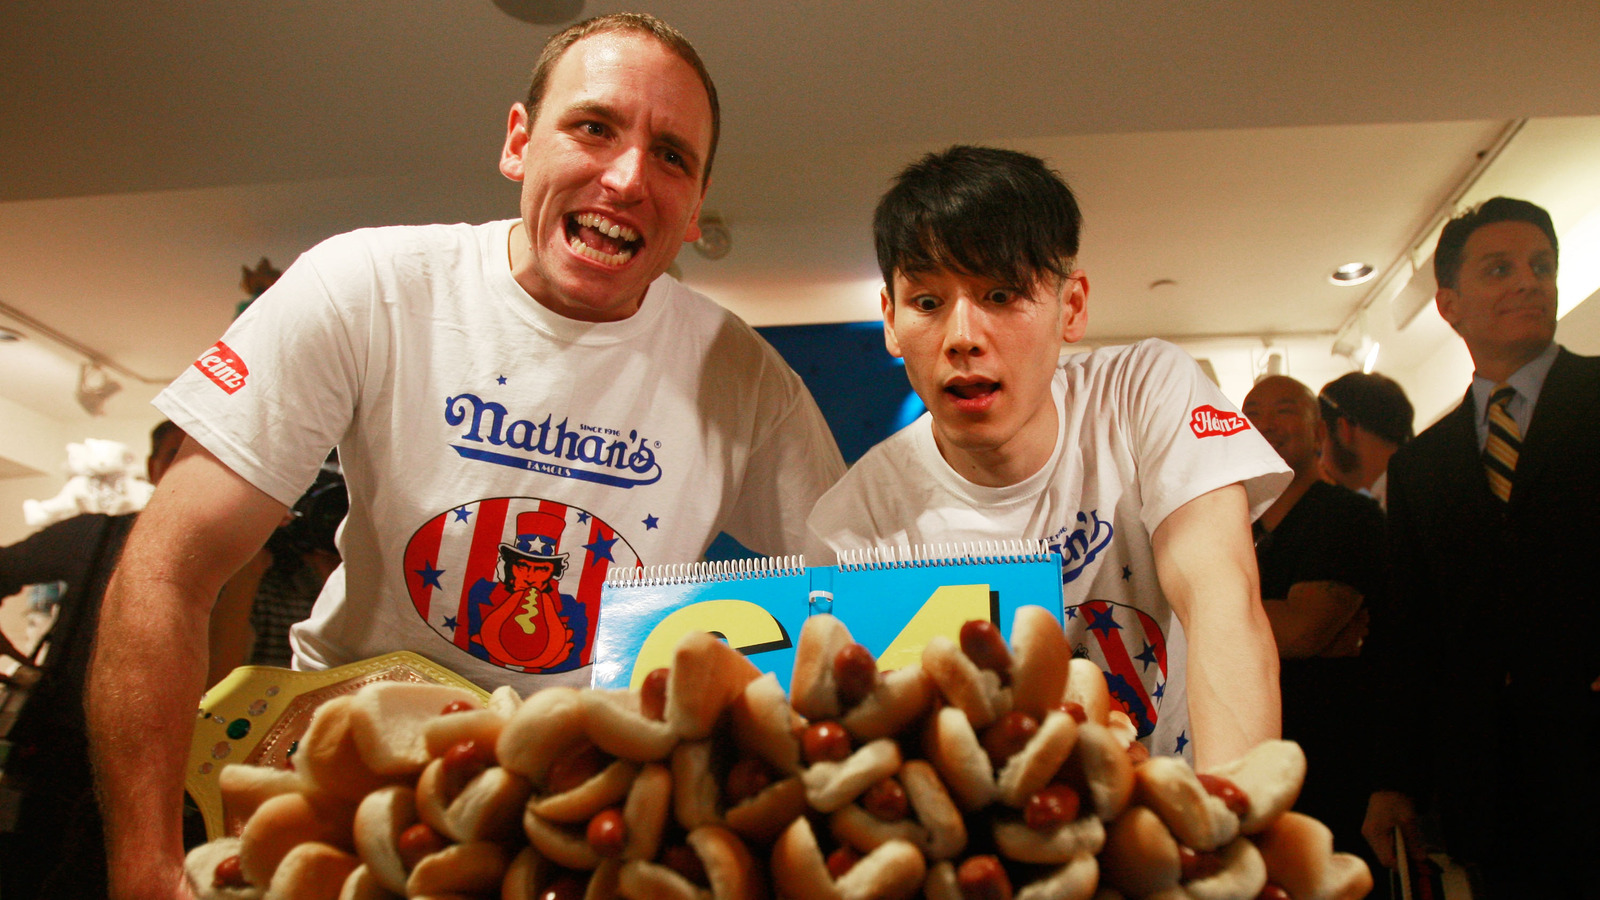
x=515, y=581
x=1129, y=647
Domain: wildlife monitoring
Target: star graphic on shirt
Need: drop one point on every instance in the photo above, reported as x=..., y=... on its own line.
x=500, y=380
x=1160, y=691
x=582, y=517
x=601, y=549
x=1072, y=612
x=1148, y=656
x=1127, y=572
x=462, y=513
x=650, y=522
x=1103, y=622
x=1183, y=741
x=430, y=575
x=450, y=622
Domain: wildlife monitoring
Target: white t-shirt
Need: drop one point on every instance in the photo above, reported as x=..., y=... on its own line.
x=1142, y=432
x=475, y=426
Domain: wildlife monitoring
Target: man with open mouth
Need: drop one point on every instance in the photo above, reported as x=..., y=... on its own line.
x=471, y=376
x=1127, y=460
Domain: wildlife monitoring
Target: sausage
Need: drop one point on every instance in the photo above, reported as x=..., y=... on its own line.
x=983, y=878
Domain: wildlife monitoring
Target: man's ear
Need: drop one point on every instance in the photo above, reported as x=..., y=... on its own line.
x=692, y=232
x=889, y=340
x=1347, y=431
x=1075, y=307
x=1445, y=300
x=516, y=141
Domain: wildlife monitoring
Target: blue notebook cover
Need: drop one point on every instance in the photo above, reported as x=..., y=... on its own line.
x=893, y=600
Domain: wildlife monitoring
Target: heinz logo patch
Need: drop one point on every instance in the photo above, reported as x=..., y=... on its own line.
x=223, y=366
x=1208, y=421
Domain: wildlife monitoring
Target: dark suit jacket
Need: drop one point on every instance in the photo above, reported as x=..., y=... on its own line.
x=1492, y=637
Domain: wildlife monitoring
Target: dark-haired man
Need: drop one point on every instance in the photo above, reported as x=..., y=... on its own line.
x=1493, y=650
x=1126, y=459
x=1367, y=418
x=468, y=375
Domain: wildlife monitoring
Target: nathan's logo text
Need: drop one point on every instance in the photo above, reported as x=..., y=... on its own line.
x=582, y=452
x=1080, y=546
x=223, y=366
x=1208, y=421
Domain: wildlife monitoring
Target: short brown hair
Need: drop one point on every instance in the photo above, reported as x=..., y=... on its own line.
x=670, y=37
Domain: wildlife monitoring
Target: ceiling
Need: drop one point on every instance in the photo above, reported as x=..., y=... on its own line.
x=1239, y=150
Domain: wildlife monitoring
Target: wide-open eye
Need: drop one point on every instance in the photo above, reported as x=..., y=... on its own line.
x=924, y=302
x=1000, y=296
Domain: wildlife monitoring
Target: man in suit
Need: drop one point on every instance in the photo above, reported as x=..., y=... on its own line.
x=1492, y=647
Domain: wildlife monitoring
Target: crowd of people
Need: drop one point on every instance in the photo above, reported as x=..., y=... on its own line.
x=1416, y=611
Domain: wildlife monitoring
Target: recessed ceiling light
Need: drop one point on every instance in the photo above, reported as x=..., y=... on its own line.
x=541, y=12
x=1352, y=273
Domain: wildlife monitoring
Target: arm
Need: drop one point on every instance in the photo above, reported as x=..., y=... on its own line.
x=1207, y=568
x=203, y=523
x=1315, y=613
x=232, y=636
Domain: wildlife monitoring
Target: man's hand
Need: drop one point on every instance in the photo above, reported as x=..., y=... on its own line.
x=1386, y=811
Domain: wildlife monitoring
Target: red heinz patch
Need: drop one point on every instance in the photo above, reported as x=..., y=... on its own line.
x=1208, y=421
x=223, y=366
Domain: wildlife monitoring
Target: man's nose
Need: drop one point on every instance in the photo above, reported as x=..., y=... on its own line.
x=964, y=330
x=624, y=174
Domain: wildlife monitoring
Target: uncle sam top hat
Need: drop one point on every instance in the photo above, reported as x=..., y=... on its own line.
x=538, y=540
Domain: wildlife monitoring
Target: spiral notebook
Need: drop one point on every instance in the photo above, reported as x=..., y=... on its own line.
x=892, y=599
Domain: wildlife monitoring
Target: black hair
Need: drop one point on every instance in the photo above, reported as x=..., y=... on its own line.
x=1372, y=401
x=160, y=432
x=997, y=214
x=1453, y=239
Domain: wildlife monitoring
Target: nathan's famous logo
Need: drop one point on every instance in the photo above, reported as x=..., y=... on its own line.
x=515, y=581
x=1128, y=645
x=1079, y=546
x=1208, y=421
x=223, y=366
x=583, y=452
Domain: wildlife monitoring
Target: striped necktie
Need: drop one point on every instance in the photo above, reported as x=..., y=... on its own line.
x=1504, y=442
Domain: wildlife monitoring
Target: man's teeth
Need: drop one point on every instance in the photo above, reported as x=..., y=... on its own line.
x=612, y=259
x=607, y=227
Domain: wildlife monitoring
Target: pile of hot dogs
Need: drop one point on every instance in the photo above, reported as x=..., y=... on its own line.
x=986, y=772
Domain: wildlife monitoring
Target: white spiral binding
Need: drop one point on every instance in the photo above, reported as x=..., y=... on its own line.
x=706, y=572
x=922, y=555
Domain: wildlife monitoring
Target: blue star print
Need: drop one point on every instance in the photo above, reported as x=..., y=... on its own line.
x=1148, y=656
x=1103, y=622
x=462, y=514
x=601, y=549
x=430, y=575
x=650, y=523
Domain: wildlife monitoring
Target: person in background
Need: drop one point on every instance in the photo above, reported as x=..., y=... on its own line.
x=1126, y=459
x=1366, y=418
x=53, y=847
x=1490, y=656
x=467, y=374
x=303, y=555
x=1320, y=550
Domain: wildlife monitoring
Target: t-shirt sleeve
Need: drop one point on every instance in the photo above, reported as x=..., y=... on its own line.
x=278, y=390
x=793, y=461
x=1191, y=440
